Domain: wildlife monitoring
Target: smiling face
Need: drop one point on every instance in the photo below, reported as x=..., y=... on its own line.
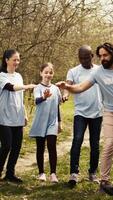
x=47, y=74
x=13, y=62
x=106, y=58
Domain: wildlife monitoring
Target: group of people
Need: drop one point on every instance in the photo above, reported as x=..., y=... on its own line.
x=103, y=76
x=92, y=87
x=13, y=117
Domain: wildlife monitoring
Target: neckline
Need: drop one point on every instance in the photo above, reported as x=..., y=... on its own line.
x=45, y=85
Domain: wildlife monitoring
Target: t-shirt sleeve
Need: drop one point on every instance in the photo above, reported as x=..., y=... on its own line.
x=3, y=81
x=92, y=77
x=20, y=78
x=37, y=92
x=69, y=76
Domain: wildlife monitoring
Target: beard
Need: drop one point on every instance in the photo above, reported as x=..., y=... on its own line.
x=107, y=63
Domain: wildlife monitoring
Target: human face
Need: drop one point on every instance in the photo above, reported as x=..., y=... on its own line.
x=85, y=58
x=47, y=75
x=106, y=59
x=13, y=62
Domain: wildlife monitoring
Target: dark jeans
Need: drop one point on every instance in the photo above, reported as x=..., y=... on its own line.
x=79, y=127
x=51, y=145
x=11, y=140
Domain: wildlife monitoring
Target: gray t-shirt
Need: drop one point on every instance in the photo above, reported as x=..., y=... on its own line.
x=46, y=115
x=11, y=102
x=89, y=103
x=104, y=78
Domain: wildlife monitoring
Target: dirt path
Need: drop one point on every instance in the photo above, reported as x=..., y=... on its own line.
x=27, y=163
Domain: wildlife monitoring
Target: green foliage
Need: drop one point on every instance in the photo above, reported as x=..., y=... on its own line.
x=52, y=31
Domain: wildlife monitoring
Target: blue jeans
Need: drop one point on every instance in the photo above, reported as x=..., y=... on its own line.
x=79, y=127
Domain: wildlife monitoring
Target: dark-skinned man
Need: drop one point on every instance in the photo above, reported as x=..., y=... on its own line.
x=88, y=113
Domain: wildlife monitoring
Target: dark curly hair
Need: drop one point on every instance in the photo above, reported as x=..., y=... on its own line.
x=107, y=46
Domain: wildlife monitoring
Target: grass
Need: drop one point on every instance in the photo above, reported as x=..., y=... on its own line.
x=32, y=189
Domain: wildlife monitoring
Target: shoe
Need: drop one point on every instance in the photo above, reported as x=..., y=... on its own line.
x=53, y=178
x=13, y=179
x=93, y=178
x=73, y=180
x=106, y=187
x=42, y=177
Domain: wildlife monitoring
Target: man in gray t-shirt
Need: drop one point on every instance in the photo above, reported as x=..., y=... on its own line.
x=104, y=77
x=88, y=113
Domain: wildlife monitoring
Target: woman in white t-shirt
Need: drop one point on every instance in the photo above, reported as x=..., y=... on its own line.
x=12, y=113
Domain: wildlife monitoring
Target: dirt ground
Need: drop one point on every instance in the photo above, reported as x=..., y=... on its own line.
x=28, y=161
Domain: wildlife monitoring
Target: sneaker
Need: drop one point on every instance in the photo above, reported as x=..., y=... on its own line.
x=106, y=187
x=42, y=177
x=13, y=179
x=73, y=180
x=53, y=178
x=93, y=178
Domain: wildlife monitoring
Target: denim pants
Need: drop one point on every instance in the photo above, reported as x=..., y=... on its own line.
x=11, y=140
x=79, y=126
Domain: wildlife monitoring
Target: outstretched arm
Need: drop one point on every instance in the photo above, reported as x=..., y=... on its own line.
x=23, y=87
x=13, y=88
x=77, y=88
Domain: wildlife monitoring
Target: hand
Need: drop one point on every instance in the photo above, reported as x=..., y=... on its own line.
x=29, y=86
x=61, y=84
x=59, y=127
x=46, y=94
x=65, y=98
x=26, y=121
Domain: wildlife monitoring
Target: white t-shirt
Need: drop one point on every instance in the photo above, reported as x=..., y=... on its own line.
x=104, y=78
x=89, y=103
x=46, y=115
x=11, y=102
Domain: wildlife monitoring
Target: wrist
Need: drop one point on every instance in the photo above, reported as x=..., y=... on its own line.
x=66, y=86
x=23, y=87
x=43, y=97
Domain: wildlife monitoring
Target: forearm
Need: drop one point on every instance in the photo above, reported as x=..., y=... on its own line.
x=39, y=100
x=23, y=87
x=59, y=115
x=73, y=88
x=78, y=88
x=18, y=87
x=13, y=88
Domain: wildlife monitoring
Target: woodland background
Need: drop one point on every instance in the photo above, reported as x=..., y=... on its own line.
x=52, y=31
